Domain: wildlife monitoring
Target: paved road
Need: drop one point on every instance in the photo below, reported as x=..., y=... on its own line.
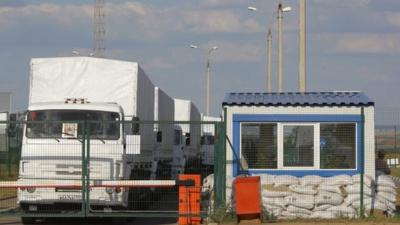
x=137, y=221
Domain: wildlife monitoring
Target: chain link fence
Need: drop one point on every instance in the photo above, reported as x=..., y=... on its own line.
x=110, y=168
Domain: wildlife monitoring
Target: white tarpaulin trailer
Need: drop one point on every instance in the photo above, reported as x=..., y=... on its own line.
x=185, y=110
x=164, y=111
x=95, y=79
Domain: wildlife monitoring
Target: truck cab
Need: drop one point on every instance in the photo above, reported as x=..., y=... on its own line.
x=53, y=147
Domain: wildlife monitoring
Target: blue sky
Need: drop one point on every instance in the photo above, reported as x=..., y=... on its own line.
x=352, y=44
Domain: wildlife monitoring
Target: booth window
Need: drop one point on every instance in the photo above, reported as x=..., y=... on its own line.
x=298, y=146
x=259, y=145
x=337, y=145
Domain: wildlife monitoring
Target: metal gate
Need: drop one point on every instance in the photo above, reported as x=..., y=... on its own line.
x=111, y=168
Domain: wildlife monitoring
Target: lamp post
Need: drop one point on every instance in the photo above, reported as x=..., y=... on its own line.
x=268, y=84
x=302, y=45
x=281, y=10
x=208, y=78
x=269, y=61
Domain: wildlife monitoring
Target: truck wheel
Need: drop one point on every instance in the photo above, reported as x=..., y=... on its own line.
x=28, y=220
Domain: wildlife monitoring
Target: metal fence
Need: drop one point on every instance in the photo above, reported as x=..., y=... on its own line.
x=327, y=163
x=111, y=169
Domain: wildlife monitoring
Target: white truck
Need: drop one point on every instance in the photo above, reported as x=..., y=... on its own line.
x=3, y=133
x=164, y=132
x=186, y=111
x=66, y=91
x=207, y=141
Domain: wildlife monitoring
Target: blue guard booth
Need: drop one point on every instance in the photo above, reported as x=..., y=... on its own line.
x=312, y=133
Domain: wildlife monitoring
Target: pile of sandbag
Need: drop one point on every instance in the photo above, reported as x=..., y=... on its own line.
x=313, y=196
x=333, y=197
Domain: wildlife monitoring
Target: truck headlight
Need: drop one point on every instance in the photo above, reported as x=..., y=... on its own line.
x=109, y=190
x=31, y=190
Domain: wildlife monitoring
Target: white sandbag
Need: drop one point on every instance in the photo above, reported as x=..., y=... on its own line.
x=278, y=202
x=270, y=207
x=330, y=188
x=275, y=212
x=311, y=180
x=302, y=201
x=331, y=198
x=391, y=197
x=267, y=179
x=354, y=197
x=385, y=180
x=338, y=180
x=322, y=207
x=368, y=181
x=306, y=190
x=287, y=215
x=323, y=215
x=356, y=189
x=382, y=206
x=285, y=180
x=273, y=194
x=343, y=210
x=298, y=210
x=389, y=204
x=229, y=182
x=209, y=181
x=385, y=189
x=368, y=201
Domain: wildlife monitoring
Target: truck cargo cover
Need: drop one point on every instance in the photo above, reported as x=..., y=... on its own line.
x=95, y=79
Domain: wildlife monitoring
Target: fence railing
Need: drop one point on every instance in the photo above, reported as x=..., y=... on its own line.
x=109, y=168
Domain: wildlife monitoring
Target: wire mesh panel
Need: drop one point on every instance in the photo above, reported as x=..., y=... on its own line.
x=387, y=137
x=9, y=160
x=58, y=165
x=51, y=161
x=134, y=169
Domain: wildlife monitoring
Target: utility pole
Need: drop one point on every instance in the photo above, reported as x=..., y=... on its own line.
x=208, y=85
x=302, y=45
x=269, y=61
x=99, y=28
x=280, y=57
x=208, y=88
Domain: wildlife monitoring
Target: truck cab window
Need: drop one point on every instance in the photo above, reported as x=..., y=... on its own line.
x=53, y=123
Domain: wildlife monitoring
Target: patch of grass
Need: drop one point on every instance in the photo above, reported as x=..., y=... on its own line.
x=4, y=172
x=7, y=192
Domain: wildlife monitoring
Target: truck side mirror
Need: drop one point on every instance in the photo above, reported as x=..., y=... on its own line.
x=159, y=136
x=187, y=141
x=12, y=126
x=135, y=125
x=203, y=140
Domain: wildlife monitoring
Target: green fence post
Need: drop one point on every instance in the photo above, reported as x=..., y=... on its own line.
x=87, y=179
x=362, y=138
x=84, y=166
x=220, y=166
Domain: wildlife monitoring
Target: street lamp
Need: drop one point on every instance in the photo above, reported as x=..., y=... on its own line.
x=268, y=53
x=281, y=10
x=208, y=81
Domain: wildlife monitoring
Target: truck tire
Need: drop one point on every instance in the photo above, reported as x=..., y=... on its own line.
x=28, y=220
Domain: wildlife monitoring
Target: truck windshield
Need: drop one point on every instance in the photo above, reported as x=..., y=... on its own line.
x=69, y=124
